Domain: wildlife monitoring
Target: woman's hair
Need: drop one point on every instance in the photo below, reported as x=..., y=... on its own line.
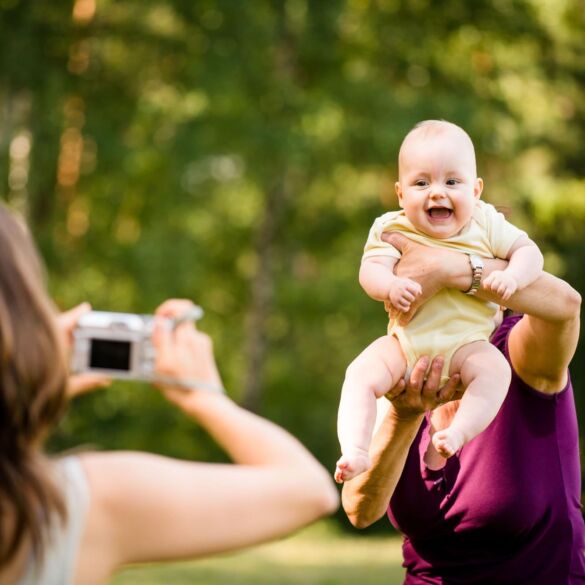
x=33, y=377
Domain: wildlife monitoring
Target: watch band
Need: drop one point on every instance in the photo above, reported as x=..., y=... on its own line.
x=476, y=263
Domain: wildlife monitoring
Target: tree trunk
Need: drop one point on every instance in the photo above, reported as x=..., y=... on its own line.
x=263, y=285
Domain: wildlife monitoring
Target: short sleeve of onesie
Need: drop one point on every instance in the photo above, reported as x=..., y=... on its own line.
x=500, y=232
x=375, y=246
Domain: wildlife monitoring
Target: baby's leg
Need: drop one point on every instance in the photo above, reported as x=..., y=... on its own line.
x=371, y=374
x=486, y=375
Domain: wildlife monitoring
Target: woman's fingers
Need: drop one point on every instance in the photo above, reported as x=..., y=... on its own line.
x=68, y=319
x=163, y=340
x=83, y=383
x=174, y=307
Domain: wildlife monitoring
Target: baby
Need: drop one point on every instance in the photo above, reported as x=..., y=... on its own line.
x=439, y=193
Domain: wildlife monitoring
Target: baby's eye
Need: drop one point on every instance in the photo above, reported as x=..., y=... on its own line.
x=452, y=182
x=421, y=183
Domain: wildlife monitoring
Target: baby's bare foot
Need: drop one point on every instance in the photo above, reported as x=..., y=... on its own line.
x=350, y=466
x=448, y=441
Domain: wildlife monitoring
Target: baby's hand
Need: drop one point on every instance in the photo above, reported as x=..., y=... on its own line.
x=403, y=291
x=502, y=283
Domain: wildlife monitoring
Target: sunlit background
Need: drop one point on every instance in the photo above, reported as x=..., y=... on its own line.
x=236, y=153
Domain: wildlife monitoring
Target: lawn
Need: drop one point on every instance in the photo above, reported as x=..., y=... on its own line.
x=319, y=555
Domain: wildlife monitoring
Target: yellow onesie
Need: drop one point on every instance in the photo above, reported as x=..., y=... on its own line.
x=451, y=318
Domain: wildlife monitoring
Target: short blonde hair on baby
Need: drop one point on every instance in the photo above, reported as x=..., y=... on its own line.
x=431, y=128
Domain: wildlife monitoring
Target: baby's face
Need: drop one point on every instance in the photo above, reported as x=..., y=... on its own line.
x=438, y=186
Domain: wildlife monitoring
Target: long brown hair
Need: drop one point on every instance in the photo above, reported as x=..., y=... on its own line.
x=33, y=376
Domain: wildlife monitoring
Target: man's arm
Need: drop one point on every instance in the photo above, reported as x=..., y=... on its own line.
x=366, y=497
x=544, y=341
x=548, y=298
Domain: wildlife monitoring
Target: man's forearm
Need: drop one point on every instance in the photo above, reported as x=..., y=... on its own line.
x=548, y=297
x=365, y=498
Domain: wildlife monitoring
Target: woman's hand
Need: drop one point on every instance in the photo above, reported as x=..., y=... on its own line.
x=432, y=268
x=184, y=354
x=78, y=383
x=411, y=398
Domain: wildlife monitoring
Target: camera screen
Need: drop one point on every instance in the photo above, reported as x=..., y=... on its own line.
x=110, y=355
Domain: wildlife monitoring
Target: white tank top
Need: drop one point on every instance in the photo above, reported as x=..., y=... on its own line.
x=62, y=545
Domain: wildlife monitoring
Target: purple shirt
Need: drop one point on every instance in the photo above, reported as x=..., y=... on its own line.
x=506, y=509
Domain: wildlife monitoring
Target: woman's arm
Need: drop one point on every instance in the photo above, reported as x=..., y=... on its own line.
x=544, y=341
x=366, y=497
x=148, y=508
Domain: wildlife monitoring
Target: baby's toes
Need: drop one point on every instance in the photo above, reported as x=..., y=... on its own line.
x=442, y=445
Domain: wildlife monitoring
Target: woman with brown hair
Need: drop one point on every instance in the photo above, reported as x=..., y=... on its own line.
x=76, y=520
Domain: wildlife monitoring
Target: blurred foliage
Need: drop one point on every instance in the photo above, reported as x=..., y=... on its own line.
x=236, y=153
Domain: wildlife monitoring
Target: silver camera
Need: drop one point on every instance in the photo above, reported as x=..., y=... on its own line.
x=118, y=345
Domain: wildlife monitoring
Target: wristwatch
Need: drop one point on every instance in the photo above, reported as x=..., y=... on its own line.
x=476, y=263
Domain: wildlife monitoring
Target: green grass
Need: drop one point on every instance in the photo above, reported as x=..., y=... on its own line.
x=319, y=555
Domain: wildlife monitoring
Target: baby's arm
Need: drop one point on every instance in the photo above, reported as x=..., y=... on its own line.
x=377, y=278
x=524, y=267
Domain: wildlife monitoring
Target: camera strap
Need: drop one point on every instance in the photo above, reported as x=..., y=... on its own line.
x=195, y=385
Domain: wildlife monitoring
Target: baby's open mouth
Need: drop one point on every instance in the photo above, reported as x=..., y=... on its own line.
x=439, y=212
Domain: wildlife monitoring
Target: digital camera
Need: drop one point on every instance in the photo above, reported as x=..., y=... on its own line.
x=118, y=345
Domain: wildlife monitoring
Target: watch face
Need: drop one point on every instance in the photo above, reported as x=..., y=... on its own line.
x=476, y=262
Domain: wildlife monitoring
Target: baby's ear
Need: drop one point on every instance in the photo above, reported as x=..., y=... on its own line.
x=478, y=187
x=398, y=190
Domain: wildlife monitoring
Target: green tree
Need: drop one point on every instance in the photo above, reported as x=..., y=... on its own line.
x=237, y=153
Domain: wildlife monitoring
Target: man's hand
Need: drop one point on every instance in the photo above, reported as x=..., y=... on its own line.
x=414, y=396
x=426, y=266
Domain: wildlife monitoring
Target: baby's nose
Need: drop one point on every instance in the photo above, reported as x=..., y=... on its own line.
x=437, y=191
